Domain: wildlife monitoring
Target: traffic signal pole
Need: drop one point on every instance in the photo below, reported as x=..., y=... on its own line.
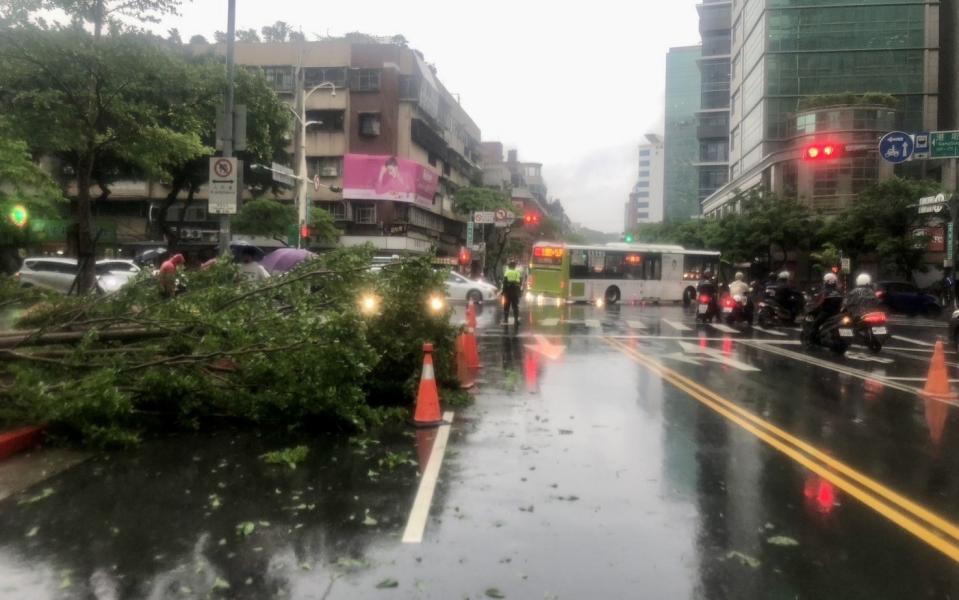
x=224, y=246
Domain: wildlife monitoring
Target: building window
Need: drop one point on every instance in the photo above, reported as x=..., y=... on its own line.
x=279, y=78
x=644, y=163
x=370, y=124
x=365, y=214
x=644, y=152
x=713, y=151
x=365, y=80
x=644, y=173
x=642, y=194
x=642, y=205
x=642, y=184
x=325, y=166
x=313, y=76
x=326, y=120
x=642, y=215
x=337, y=209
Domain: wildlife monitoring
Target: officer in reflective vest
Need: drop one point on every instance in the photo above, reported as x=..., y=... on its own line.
x=512, y=280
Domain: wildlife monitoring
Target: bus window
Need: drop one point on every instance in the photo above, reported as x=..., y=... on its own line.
x=613, y=265
x=633, y=266
x=597, y=262
x=578, y=267
x=654, y=267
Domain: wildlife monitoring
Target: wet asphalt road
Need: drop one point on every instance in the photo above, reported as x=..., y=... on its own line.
x=593, y=464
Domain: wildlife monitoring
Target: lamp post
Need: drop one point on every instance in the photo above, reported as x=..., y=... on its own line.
x=300, y=159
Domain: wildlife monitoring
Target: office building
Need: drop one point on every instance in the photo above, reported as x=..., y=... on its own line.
x=840, y=73
x=681, y=146
x=646, y=200
x=712, y=131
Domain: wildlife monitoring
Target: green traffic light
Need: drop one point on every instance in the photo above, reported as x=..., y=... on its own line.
x=19, y=215
x=629, y=239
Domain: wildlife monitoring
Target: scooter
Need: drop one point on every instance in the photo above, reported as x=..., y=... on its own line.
x=706, y=308
x=736, y=309
x=836, y=332
x=771, y=313
x=869, y=329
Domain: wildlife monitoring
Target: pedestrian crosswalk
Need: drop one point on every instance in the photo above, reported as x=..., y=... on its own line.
x=650, y=325
x=675, y=325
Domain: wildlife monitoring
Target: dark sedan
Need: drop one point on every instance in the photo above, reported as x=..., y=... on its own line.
x=906, y=298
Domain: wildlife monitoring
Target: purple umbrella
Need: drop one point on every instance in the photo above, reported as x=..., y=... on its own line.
x=284, y=259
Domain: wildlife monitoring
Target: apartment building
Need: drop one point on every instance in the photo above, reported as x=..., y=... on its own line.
x=646, y=200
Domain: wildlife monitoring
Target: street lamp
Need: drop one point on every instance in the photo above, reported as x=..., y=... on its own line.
x=300, y=114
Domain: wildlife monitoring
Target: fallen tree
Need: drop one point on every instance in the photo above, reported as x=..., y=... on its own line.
x=294, y=351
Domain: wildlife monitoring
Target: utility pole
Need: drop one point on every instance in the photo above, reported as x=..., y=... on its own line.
x=228, y=114
x=299, y=158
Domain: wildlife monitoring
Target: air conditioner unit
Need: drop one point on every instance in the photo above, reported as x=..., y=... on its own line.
x=329, y=172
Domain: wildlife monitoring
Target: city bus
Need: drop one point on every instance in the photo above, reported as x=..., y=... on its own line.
x=617, y=272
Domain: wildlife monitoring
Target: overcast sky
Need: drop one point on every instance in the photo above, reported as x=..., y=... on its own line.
x=572, y=85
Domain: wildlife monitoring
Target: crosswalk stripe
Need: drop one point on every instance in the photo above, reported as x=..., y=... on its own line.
x=676, y=326
x=723, y=328
x=912, y=341
x=549, y=322
x=636, y=324
x=769, y=331
x=593, y=323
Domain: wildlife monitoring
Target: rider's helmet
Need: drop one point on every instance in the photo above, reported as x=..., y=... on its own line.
x=830, y=280
x=512, y=263
x=784, y=276
x=707, y=274
x=863, y=280
x=739, y=276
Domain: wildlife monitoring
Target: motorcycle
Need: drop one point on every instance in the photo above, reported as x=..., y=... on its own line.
x=706, y=308
x=770, y=312
x=869, y=329
x=835, y=333
x=736, y=309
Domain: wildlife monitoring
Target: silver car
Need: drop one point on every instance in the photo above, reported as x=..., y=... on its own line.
x=58, y=274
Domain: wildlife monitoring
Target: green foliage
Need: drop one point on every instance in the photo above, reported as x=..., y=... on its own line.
x=287, y=456
x=881, y=222
x=847, y=99
x=264, y=217
x=826, y=258
x=323, y=227
x=471, y=199
x=290, y=352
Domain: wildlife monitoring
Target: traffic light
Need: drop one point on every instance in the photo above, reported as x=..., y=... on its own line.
x=531, y=219
x=305, y=232
x=19, y=215
x=823, y=151
x=466, y=256
x=628, y=238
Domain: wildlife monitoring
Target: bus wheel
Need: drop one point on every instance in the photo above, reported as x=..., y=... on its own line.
x=688, y=296
x=612, y=295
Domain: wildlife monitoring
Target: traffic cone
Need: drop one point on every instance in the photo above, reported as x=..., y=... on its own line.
x=937, y=383
x=471, y=315
x=428, y=399
x=472, y=349
x=463, y=372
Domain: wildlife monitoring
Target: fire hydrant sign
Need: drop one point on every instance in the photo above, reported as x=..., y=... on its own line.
x=223, y=186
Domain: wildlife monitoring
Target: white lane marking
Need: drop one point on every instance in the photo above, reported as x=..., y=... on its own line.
x=676, y=326
x=714, y=355
x=420, y=512
x=723, y=328
x=549, y=322
x=912, y=341
x=636, y=324
x=769, y=331
x=593, y=323
x=919, y=379
x=615, y=336
x=863, y=357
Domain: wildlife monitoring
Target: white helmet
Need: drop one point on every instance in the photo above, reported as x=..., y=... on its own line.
x=863, y=280
x=784, y=276
x=739, y=276
x=830, y=280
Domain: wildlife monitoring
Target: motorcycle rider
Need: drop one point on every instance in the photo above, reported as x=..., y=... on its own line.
x=708, y=286
x=782, y=293
x=862, y=298
x=739, y=287
x=827, y=303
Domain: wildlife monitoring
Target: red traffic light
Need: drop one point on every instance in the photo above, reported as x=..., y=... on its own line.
x=822, y=151
x=531, y=218
x=305, y=231
x=465, y=256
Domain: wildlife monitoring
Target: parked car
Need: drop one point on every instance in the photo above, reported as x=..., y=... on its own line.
x=906, y=298
x=58, y=274
x=954, y=330
x=459, y=287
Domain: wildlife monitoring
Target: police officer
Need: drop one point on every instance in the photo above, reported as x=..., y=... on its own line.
x=512, y=279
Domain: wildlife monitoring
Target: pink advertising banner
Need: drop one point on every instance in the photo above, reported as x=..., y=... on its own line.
x=369, y=177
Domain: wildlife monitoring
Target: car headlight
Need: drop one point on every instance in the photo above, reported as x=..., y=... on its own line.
x=955, y=314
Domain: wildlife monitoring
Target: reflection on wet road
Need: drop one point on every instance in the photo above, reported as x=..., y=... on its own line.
x=618, y=453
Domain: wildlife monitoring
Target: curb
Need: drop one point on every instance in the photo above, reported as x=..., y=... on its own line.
x=18, y=440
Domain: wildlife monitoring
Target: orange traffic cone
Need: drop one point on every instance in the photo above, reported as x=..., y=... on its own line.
x=937, y=383
x=428, y=399
x=471, y=315
x=472, y=350
x=463, y=372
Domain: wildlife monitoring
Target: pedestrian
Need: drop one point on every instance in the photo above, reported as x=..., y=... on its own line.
x=250, y=270
x=166, y=277
x=512, y=279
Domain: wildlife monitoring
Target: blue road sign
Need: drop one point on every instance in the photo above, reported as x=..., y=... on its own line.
x=896, y=147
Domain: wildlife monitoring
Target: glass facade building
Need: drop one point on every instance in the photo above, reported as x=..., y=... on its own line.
x=713, y=115
x=785, y=50
x=681, y=193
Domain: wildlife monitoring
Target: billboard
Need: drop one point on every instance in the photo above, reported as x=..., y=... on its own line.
x=935, y=238
x=373, y=177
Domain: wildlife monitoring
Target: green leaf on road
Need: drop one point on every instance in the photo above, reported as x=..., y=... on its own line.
x=220, y=584
x=782, y=540
x=245, y=528
x=494, y=593
x=33, y=532
x=745, y=559
x=387, y=583
x=46, y=493
x=370, y=521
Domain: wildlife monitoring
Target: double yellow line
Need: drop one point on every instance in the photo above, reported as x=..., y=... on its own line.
x=934, y=530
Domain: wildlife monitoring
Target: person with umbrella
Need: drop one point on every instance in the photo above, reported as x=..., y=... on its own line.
x=250, y=270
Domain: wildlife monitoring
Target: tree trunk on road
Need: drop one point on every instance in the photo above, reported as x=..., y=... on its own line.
x=83, y=233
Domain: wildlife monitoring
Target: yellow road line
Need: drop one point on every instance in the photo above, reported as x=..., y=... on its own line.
x=804, y=454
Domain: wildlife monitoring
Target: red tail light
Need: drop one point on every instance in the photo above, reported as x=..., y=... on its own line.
x=880, y=294
x=728, y=301
x=875, y=318
x=704, y=299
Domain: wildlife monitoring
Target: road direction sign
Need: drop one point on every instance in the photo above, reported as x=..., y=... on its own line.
x=896, y=147
x=504, y=218
x=921, y=148
x=283, y=174
x=846, y=265
x=944, y=144
x=223, y=186
x=484, y=217
x=469, y=235
x=932, y=204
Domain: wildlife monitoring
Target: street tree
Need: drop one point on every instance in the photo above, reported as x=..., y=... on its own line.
x=247, y=35
x=101, y=14
x=277, y=32
x=265, y=217
x=881, y=222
